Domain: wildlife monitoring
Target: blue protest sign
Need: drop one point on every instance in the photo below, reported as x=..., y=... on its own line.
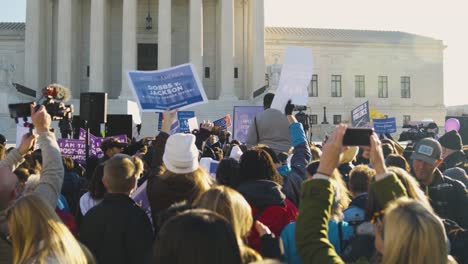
x=177, y=87
x=384, y=126
x=183, y=117
x=243, y=118
x=360, y=115
x=223, y=123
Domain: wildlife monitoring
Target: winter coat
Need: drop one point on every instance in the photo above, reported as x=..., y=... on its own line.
x=449, y=198
x=301, y=157
x=456, y=159
x=269, y=206
x=288, y=236
x=117, y=231
x=312, y=242
x=356, y=211
x=51, y=179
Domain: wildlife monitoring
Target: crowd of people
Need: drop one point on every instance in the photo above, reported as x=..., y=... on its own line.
x=278, y=198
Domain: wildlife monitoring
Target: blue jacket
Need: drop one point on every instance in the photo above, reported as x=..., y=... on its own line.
x=289, y=239
x=301, y=157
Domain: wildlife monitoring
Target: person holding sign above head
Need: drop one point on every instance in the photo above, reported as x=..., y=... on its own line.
x=270, y=127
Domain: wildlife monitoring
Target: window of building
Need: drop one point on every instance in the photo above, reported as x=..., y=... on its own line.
x=336, y=85
x=236, y=72
x=336, y=119
x=360, y=86
x=406, y=119
x=207, y=72
x=314, y=119
x=313, y=87
x=383, y=87
x=405, y=87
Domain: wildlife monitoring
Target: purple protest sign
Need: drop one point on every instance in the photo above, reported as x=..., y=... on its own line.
x=140, y=198
x=95, y=142
x=243, y=118
x=73, y=148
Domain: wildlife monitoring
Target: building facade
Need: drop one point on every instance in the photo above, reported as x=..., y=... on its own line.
x=89, y=45
x=400, y=74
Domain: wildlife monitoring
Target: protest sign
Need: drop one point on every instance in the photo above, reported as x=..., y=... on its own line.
x=243, y=118
x=21, y=130
x=193, y=123
x=181, y=125
x=174, y=88
x=183, y=117
x=74, y=148
x=360, y=115
x=296, y=74
x=95, y=142
x=223, y=123
x=385, y=126
x=141, y=199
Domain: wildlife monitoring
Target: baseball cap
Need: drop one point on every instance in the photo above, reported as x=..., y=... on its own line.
x=427, y=150
x=112, y=143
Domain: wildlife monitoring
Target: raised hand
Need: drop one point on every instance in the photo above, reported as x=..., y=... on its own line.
x=40, y=118
x=168, y=119
x=331, y=151
x=27, y=144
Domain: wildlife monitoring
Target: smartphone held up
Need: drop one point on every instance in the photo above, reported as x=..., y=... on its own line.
x=357, y=136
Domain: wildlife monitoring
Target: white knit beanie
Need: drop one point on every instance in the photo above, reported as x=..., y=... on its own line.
x=181, y=154
x=236, y=153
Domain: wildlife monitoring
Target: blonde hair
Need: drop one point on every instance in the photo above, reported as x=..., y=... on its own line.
x=341, y=197
x=201, y=180
x=412, y=186
x=233, y=206
x=121, y=172
x=38, y=234
x=349, y=155
x=413, y=234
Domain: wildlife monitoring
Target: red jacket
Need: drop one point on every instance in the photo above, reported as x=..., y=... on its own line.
x=269, y=206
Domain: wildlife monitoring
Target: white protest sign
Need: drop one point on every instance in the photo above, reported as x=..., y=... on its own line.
x=192, y=123
x=21, y=130
x=295, y=77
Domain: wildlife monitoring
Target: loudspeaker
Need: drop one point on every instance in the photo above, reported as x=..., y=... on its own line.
x=119, y=125
x=463, y=127
x=93, y=107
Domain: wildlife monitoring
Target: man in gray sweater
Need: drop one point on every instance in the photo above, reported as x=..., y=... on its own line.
x=51, y=178
x=270, y=127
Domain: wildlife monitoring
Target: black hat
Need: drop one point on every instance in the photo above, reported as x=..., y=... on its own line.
x=112, y=143
x=3, y=139
x=451, y=140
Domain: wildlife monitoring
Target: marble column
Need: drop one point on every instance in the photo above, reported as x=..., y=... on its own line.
x=257, y=29
x=196, y=35
x=64, y=43
x=164, y=34
x=129, y=44
x=226, y=73
x=98, y=31
x=36, y=41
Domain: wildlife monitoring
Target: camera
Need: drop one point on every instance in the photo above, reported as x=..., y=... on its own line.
x=57, y=110
x=419, y=131
x=52, y=97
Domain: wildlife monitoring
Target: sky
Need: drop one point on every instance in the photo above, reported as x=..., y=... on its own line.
x=442, y=20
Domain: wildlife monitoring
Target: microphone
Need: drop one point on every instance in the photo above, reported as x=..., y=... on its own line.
x=57, y=91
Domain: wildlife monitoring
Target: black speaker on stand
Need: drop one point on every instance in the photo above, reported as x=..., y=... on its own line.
x=93, y=111
x=119, y=125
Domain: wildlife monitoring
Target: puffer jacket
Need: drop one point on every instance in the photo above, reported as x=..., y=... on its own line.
x=269, y=206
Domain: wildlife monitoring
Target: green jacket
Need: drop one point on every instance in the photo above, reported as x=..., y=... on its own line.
x=312, y=224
